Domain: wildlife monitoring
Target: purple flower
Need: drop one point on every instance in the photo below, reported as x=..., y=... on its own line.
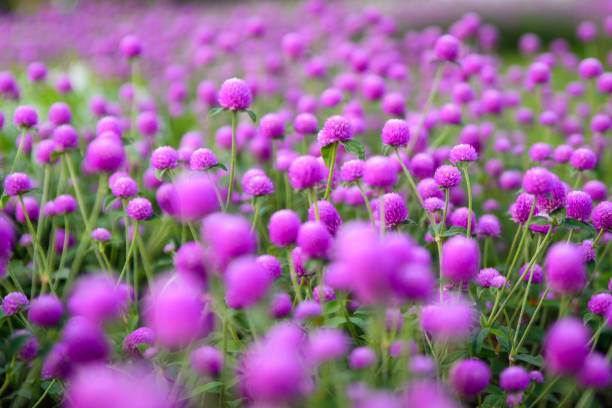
x=305, y=172
x=362, y=357
x=105, y=154
x=235, y=94
x=565, y=269
x=130, y=47
x=202, y=159
x=271, y=126
x=281, y=305
x=602, y=216
x=207, y=360
x=142, y=335
x=447, y=176
x=194, y=196
x=283, y=227
x=538, y=181
x=514, y=378
x=190, y=263
x=395, y=209
x=447, y=48
x=328, y=215
x=600, y=303
x=583, y=159
x=463, y=153
x=460, y=258
x=566, y=346
x=327, y=344
x=379, y=172
x=95, y=297
x=314, y=239
x=164, y=157
x=65, y=138
x=12, y=302
x=25, y=116
x=85, y=341
x=352, y=170
x=579, y=206
x=396, y=132
x=17, y=183
x=139, y=209
x=470, y=377
x=45, y=310
x=596, y=371
x=535, y=273
x=449, y=320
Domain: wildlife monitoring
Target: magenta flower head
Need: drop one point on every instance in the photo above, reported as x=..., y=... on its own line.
x=337, y=128
x=602, y=216
x=45, y=310
x=579, y=206
x=563, y=153
x=101, y=235
x=583, y=159
x=449, y=320
x=56, y=363
x=12, y=302
x=600, y=303
x=327, y=344
x=124, y=187
x=94, y=297
x=590, y=68
x=271, y=126
x=17, y=183
x=352, y=170
x=283, y=227
x=142, y=335
x=147, y=123
x=229, y=236
x=105, y=154
x=539, y=73
x=396, y=132
x=535, y=273
x=596, y=189
x=176, y=312
x=164, y=157
x=25, y=116
x=379, y=171
x=394, y=104
x=60, y=114
x=29, y=349
x=305, y=172
x=207, y=360
x=446, y=48
x=139, y=209
x=235, y=94
x=396, y=211
x=522, y=207
x=565, y=269
x=538, y=181
x=247, y=282
x=85, y=341
x=202, y=159
x=280, y=306
x=258, y=185
x=513, y=379
x=130, y=47
x=450, y=114
x=460, y=259
x=362, y=357
x=596, y=371
x=190, y=263
x=423, y=393
x=36, y=71
x=314, y=239
x=447, y=176
x=271, y=264
x=601, y=123
x=65, y=138
x=566, y=346
x=463, y=153
x=307, y=309
x=195, y=196
x=328, y=214
x=306, y=123
x=488, y=225
x=470, y=377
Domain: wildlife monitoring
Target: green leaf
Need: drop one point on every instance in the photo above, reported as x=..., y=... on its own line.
x=539, y=220
x=54, y=390
x=252, y=115
x=56, y=155
x=572, y=223
x=4, y=200
x=477, y=343
x=218, y=165
x=452, y=231
x=142, y=347
x=205, y=387
x=536, y=361
x=387, y=149
x=355, y=147
x=215, y=111
x=159, y=174
x=326, y=153
x=408, y=221
x=16, y=343
x=493, y=400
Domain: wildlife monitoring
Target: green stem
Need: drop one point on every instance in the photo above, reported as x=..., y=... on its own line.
x=381, y=212
x=367, y=203
x=75, y=185
x=531, y=321
x=128, y=255
x=446, y=200
x=217, y=193
x=43, y=201
x=313, y=198
x=233, y=162
x=42, y=397
x=334, y=150
x=601, y=232
x=37, y=247
x=293, y=276
x=469, y=192
x=256, y=205
x=143, y=254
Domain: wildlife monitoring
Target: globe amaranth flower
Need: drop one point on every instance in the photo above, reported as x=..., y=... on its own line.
x=94, y=297
x=17, y=183
x=487, y=277
x=470, y=377
x=85, y=341
x=202, y=159
x=271, y=126
x=164, y=157
x=602, y=216
x=395, y=132
x=379, y=172
x=314, y=239
x=190, y=264
x=328, y=215
x=305, y=172
x=600, y=303
x=139, y=209
x=535, y=273
x=459, y=218
x=583, y=159
x=130, y=47
x=14, y=301
x=538, y=181
x=25, y=116
x=463, y=153
x=337, y=128
x=596, y=189
x=45, y=310
x=124, y=187
x=362, y=357
x=258, y=185
x=283, y=227
x=460, y=259
x=565, y=269
x=229, y=237
x=395, y=209
x=448, y=320
x=596, y=371
x=566, y=346
x=142, y=335
x=194, y=196
x=271, y=264
x=447, y=48
x=207, y=360
x=553, y=201
x=280, y=305
x=307, y=309
x=29, y=349
x=105, y=154
x=513, y=379
x=447, y=176
x=579, y=206
x=488, y=225
x=305, y=123
x=327, y=344
x=247, y=282
x=352, y=170
x=65, y=138
x=235, y=94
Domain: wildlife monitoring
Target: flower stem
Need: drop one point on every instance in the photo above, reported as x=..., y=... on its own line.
x=332, y=165
x=256, y=205
x=313, y=198
x=367, y=203
x=469, y=192
x=233, y=162
x=75, y=185
x=129, y=254
x=293, y=276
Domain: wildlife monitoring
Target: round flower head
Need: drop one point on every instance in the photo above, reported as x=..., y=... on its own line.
x=31, y=207
x=12, y=302
x=280, y=306
x=579, y=206
x=44, y=150
x=305, y=123
x=271, y=126
x=328, y=215
x=229, y=236
x=463, y=153
x=105, y=155
x=164, y=157
x=235, y=94
x=539, y=73
x=448, y=320
x=394, y=104
x=247, y=282
x=17, y=183
x=305, y=172
x=486, y=277
x=125, y=187
x=258, y=185
x=307, y=309
x=470, y=377
x=596, y=371
x=583, y=159
x=447, y=176
x=195, y=196
x=565, y=269
x=56, y=363
x=522, y=207
x=283, y=227
x=513, y=379
x=337, y=128
x=101, y=234
x=596, y=189
x=396, y=132
x=588, y=252
x=176, y=312
x=540, y=151
x=37, y=71
x=535, y=273
x=590, y=68
x=207, y=360
x=460, y=259
x=65, y=138
x=538, y=181
x=109, y=124
x=429, y=188
x=85, y=341
x=314, y=239
x=352, y=170
x=372, y=87
x=563, y=153
x=130, y=47
x=395, y=209
x=139, y=209
x=379, y=171
x=600, y=303
x=553, y=201
x=25, y=116
x=94, y=297
x=566, y=346
x=602, y=216
x=190, y=264
x=29, y=349
x=142, y=335
x=446, y=48
x=270, y=264
x=45, y=310
x=59, y=113
x=414, y=282
x=488, y=225
x=362, y=357
x=327, y=344
x=422, y=165
x=202, y=159
x=601, y=123
x=450, y=114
